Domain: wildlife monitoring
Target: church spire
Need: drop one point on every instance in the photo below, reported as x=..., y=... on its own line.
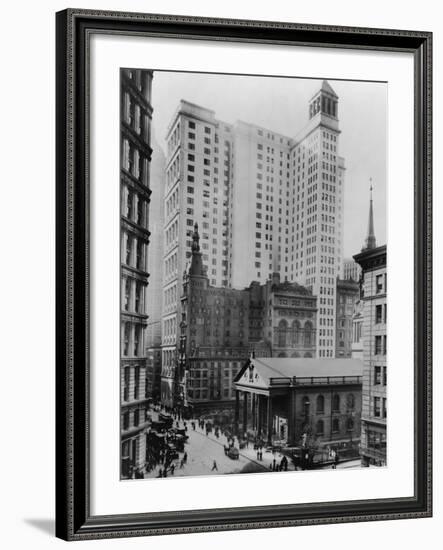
x=196, y=268
x=370, y=239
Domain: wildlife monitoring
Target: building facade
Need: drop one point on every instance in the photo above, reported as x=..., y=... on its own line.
x=357, y=329
x=372, y=260
x=266, y=203
x=198, y=189
x=136, y=115
x=221, y=327
x=348, y=293
x=288, y=401
x=154, y=293
x=351, y=270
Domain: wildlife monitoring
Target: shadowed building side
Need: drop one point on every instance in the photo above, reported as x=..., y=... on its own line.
x=136, y=151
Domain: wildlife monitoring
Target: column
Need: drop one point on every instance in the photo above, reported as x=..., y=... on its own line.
x=237, y=410
x=259, y=414
x=291, y=417
x=245, y=411
x=254, y=410
x=269, y=419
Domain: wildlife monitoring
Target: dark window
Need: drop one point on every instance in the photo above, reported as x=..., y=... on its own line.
x=336, y=403
x=320, y=427
x=378, y=343
x=306, y=405
x=127, y=374
x=320, y=404
x=136, y=381
x=377, y=410
x=379, y=284
x=378, y=313
x=136, y=417
x=126, y=339
x=335, y=425
x=350, y=401
x=377, y=375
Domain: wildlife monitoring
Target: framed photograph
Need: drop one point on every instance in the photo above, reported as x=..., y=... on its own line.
x=243, y=274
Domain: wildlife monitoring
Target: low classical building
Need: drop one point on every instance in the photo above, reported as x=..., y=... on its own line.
x=221, y=327
x=288, y=400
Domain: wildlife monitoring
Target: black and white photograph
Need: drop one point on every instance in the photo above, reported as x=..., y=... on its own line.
x=253, y=274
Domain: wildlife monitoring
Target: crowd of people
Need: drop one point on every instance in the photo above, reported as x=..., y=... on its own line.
x=165, y=455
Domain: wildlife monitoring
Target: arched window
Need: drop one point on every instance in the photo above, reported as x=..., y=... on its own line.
x=296, y=332
x=320, y=427
x=320, y=404
x=282, y=354
x=335, y=425
x=295, y=354
x=306, y=405
x=308, y=333
x=336, y=403
x=282, y=328
x=350, y=424
x=350, y=401
x=308, y=354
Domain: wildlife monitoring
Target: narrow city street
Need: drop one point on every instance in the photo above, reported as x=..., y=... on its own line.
x=203, y=449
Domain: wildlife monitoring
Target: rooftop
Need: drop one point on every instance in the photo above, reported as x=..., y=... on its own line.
x=269, y=368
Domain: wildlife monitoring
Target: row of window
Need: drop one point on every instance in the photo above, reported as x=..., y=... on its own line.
x=133, y=297
x=135, y=388
x=132, y=340
x=335, y=426
x=134, y=251
x=134, y=162
x=335, y=404
x=138, y=416
x=134, y=207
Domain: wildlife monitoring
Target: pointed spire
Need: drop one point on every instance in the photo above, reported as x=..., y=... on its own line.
x=195, y=239
x=196, y=268
x=326, y=87
x=370, y=239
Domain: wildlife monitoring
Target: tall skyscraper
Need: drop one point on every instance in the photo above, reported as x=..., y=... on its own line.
x=372, y=260
x=265, y=203
x=198, y=189
x=135, y=124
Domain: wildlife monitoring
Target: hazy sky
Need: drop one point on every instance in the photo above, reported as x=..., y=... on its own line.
x=281, y=105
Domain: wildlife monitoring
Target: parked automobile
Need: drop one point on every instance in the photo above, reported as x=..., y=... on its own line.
x=233, y=453
x=167, y=419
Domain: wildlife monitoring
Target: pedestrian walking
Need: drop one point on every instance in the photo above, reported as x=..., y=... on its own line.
x=214, y=466
x=185, y=457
